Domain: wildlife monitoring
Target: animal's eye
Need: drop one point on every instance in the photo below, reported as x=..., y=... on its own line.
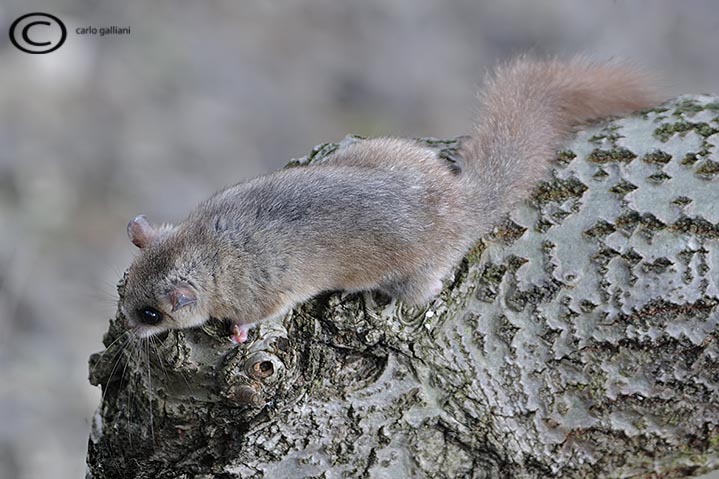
x=149, y=315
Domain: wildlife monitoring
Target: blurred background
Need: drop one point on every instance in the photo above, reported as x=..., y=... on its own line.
x=200, y=95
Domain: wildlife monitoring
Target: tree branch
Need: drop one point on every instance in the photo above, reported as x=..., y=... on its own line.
x=578, y=341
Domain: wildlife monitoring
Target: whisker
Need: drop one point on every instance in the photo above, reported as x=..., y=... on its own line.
x=184, y=378
x=102, y=354
x=149, y=397
x=122, y=376
x=102, y=297
x=116, y=361
x=155, y=347
x=131, y=398
x=182, y=374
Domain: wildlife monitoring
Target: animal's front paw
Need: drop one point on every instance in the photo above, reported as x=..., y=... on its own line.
x=239, y=332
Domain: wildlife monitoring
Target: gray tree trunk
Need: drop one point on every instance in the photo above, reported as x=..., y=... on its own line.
x=578, y=341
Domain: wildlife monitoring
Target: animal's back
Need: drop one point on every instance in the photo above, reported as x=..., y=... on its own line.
x=380, y=221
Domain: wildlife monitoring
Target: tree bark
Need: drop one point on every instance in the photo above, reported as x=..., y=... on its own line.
x=578, y=340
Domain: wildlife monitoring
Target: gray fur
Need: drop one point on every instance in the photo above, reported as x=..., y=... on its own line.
x=382, y=214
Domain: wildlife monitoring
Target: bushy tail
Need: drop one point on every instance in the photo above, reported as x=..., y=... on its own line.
x=527, y=108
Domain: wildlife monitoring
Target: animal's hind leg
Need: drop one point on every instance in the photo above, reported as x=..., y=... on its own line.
x=416, y=290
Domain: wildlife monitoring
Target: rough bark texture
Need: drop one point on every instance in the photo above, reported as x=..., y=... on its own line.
x=580, y=340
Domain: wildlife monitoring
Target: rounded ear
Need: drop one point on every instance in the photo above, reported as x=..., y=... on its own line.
x=140, y=231
x=182, y=295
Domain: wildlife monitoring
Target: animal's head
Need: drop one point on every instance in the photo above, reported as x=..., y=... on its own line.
x=166, y=283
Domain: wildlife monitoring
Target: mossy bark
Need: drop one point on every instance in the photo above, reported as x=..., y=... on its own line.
x=579, y=340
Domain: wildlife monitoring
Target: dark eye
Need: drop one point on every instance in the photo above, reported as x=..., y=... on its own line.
x=149, y=315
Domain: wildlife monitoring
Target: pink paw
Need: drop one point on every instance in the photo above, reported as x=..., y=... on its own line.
x=238, y=333
x=436, y=288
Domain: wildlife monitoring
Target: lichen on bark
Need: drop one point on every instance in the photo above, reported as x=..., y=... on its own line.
x=578, y=340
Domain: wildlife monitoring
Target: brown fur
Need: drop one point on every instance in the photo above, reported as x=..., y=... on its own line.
x=382, y=214
x=528, y=109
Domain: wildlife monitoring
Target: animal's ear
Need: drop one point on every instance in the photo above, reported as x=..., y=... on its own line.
x=181, y=296
x=141, y=232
